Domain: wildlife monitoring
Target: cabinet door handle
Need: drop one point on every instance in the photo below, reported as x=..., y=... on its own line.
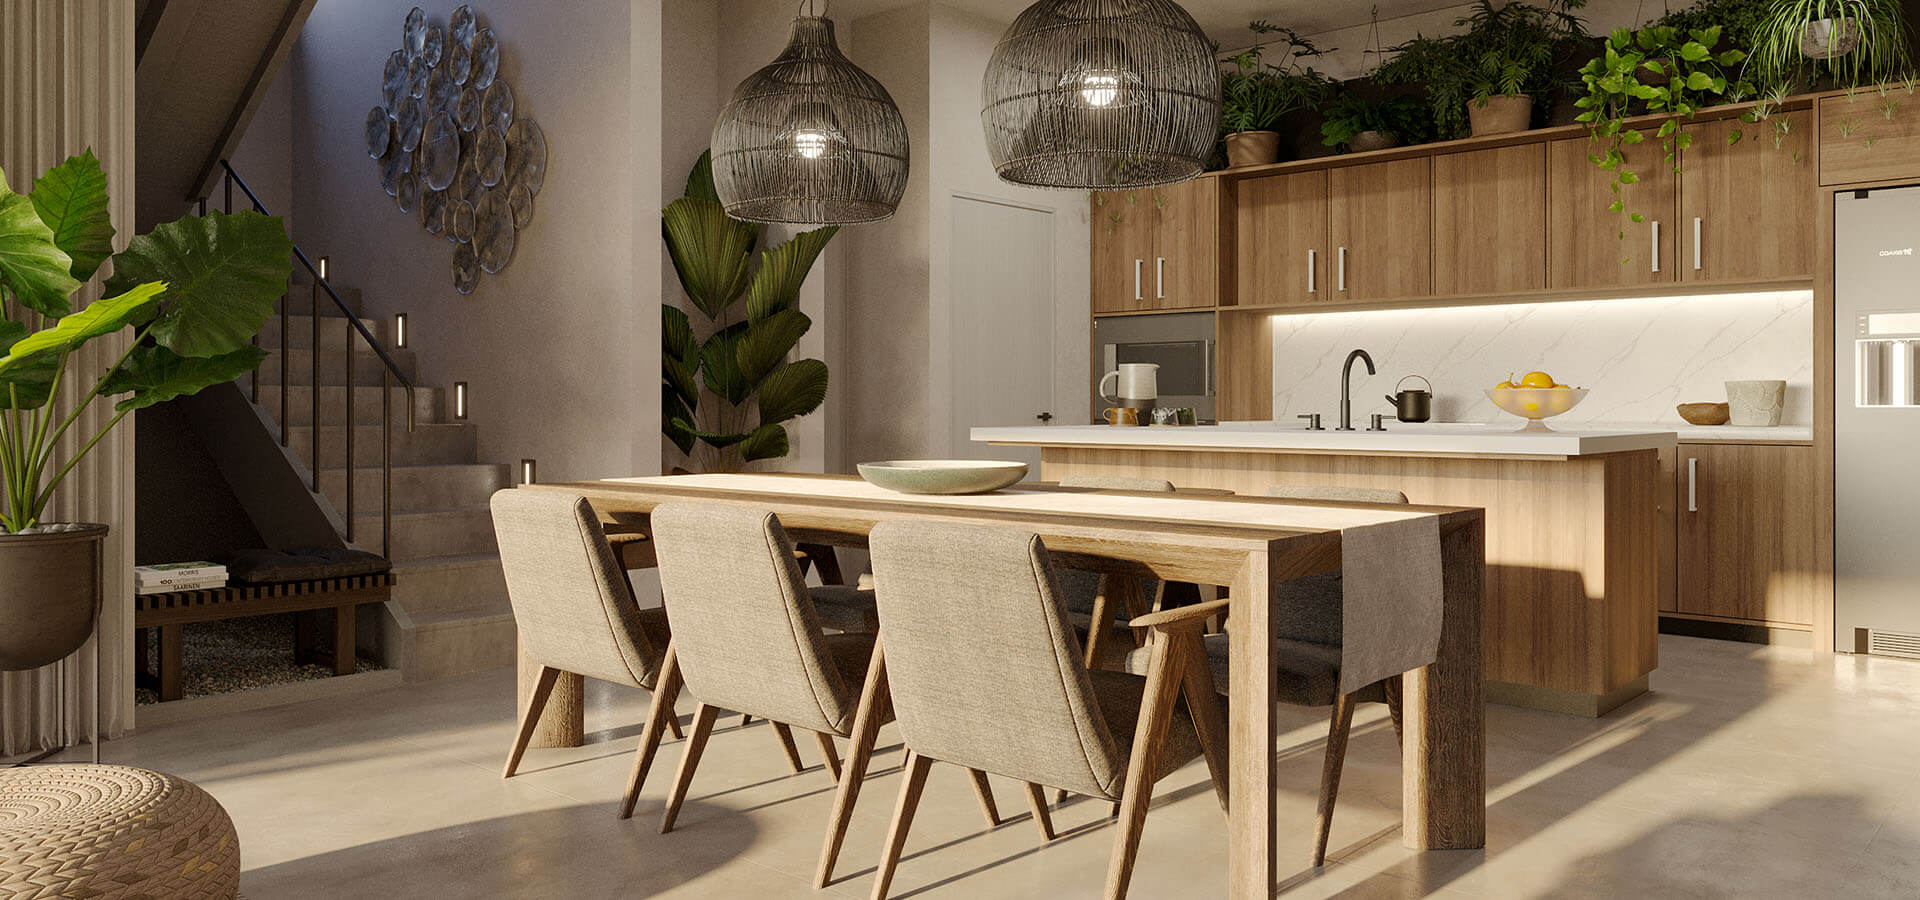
x=1313, y=262
x=1136, y=278
x=1655, y=243
x=1341, y=281
x=1696, y=243
x=1160, y=277
x=1693, y=484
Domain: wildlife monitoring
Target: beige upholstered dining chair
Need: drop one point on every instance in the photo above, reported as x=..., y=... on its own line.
x=572, y=603
x=1029, y=708
x=1311, y=649
x=1092, y=598
x=748, y=637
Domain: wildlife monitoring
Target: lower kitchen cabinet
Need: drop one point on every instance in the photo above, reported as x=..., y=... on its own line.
x=1745, y=533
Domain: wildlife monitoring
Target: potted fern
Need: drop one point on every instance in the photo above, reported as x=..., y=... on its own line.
x=1488, y=78
x=1256, y=94
x=1856, y=41
x=192, y=291
x=725, y=397
x=1359, y=125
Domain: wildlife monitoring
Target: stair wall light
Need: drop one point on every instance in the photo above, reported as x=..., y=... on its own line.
x=400, y=331
x=527, y=471
x=459, y=399
x=323, y=268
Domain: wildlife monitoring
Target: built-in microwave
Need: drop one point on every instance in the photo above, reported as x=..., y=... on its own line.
x=1181, y=344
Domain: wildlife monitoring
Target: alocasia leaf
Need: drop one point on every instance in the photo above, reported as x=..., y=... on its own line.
x=223, y=274
x=104, y=316
x=72, y=200
x=155, y=374
x=39, y=273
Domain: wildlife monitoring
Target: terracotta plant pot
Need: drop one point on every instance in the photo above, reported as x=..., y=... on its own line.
x=50, y=587
x=1252, y=148
x=1373, y=140
x=1500, y=114
x=1823, y=40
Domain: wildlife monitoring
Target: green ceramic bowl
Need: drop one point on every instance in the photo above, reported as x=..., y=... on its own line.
x=942, y=476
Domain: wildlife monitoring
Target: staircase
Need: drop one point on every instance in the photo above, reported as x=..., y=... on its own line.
x=449, y=613
x=410, y=487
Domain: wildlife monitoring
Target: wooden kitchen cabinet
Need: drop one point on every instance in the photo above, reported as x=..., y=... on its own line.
x=1859, y=142
x=1490, y=220
x=1281, y=239
x=1156, y=248
x=1380, y=223
x=1748, y=207
x=1585, y=244
x=1745, y=534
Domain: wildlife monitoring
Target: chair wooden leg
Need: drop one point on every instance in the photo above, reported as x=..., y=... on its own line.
x=1037, y=802
x=673, y=725
x=1164, y=676
x=1134, y=601
x=530, y=717
x=689, y=760
x=866, y=726
x=745, y=720
x=985, y=792
x=826, y=562
x=666, y=689
x=785, y=735
x=1330, y=775
x=1101, y=624
x=1205, y=706
x=832, y=756
x=910, y=787
x=1393, y=690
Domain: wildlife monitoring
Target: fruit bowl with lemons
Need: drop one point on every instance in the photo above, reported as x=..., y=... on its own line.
x=1535, y=397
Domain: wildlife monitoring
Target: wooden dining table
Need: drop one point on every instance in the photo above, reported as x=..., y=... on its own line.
x=1248, y=547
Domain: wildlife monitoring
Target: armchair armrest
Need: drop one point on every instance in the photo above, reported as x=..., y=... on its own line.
x=1178, y=615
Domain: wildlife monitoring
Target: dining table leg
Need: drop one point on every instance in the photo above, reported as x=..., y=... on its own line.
x=1250, y=737
x=1444, y=709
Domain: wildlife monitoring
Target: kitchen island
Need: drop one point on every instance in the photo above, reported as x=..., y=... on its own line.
x=1574, y=520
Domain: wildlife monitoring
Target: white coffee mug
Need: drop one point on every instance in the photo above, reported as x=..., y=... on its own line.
x=1135, y=381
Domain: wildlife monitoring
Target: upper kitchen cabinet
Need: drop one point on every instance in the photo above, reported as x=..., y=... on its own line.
x=1586, y=246
x=1490, y=221
x=1281, y=240
x=1869, y=137
x=1380, y=223
x=1747, y=206
x=1157, y=248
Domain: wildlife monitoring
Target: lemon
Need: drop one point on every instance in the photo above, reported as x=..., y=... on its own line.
x=1538, y=380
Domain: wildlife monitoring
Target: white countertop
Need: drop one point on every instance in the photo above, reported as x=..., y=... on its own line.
x=1399, y=438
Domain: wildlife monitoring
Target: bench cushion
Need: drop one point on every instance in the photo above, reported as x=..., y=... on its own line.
x=302, y=564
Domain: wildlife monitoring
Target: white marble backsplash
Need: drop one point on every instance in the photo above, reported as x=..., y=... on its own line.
x=1638, y=357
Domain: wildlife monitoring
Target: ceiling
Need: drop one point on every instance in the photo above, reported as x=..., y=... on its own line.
x=1224, y=20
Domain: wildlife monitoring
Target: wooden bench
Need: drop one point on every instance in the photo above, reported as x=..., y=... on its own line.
x=169, y=611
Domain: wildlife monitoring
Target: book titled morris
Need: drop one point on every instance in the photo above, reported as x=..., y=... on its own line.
x=181, y=576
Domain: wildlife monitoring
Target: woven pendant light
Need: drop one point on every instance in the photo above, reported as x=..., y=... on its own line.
x=810, y=139
x=1089, y=94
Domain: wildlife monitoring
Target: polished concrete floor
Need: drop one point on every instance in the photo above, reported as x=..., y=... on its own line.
x=1748, y=772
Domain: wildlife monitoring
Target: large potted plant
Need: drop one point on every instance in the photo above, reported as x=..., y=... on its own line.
x=726, y=396
x=193, y=291
x=1256, y=94
x=1488, y=78
x=1855, y=41
x=1359, y=124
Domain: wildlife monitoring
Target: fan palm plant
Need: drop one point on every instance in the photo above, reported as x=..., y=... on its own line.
x=729, y=394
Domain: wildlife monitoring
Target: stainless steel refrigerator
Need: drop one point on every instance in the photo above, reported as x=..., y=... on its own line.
x=1876, y=413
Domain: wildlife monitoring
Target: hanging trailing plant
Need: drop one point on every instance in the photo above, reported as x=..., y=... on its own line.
x=1857, y=42
x=1654, y=71
x=741, y=368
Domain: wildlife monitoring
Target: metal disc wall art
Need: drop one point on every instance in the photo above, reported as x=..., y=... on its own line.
x=451, y=145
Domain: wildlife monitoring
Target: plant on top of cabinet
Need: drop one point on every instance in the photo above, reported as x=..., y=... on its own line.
x=1857, y=42
x=1492, y=75
x=1740, y=24
x=1359, y=124
x=1255, y=94
x=1655, y=70
x=742, y=366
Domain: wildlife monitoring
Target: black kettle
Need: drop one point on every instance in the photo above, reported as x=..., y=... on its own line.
x=1412, y=406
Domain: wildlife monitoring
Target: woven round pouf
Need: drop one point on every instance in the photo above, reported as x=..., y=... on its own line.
x=113, y=833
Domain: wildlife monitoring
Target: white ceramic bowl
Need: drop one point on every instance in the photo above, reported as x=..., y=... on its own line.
x=1535, y=404
x=942, y=476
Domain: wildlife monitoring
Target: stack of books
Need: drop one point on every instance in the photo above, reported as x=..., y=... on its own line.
x=180, y=576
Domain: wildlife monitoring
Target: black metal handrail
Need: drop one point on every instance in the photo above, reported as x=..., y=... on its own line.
x=391, y=373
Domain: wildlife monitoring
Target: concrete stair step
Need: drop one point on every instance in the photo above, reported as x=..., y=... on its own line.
x=422, y=534
x=428, y=403
x=335, y=333
x=437, y=586
x=367, y=367
x=416, y=488
x=449, y=616
x=425, y=445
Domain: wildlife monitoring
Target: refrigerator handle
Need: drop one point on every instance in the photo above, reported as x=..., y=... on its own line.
x=1693, y=484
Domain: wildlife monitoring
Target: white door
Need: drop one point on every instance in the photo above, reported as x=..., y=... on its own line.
x=1002, y=323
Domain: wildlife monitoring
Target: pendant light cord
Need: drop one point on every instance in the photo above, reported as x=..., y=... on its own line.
x=806, y=9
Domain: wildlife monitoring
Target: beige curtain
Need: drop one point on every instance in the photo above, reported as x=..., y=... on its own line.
x=66, y=84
